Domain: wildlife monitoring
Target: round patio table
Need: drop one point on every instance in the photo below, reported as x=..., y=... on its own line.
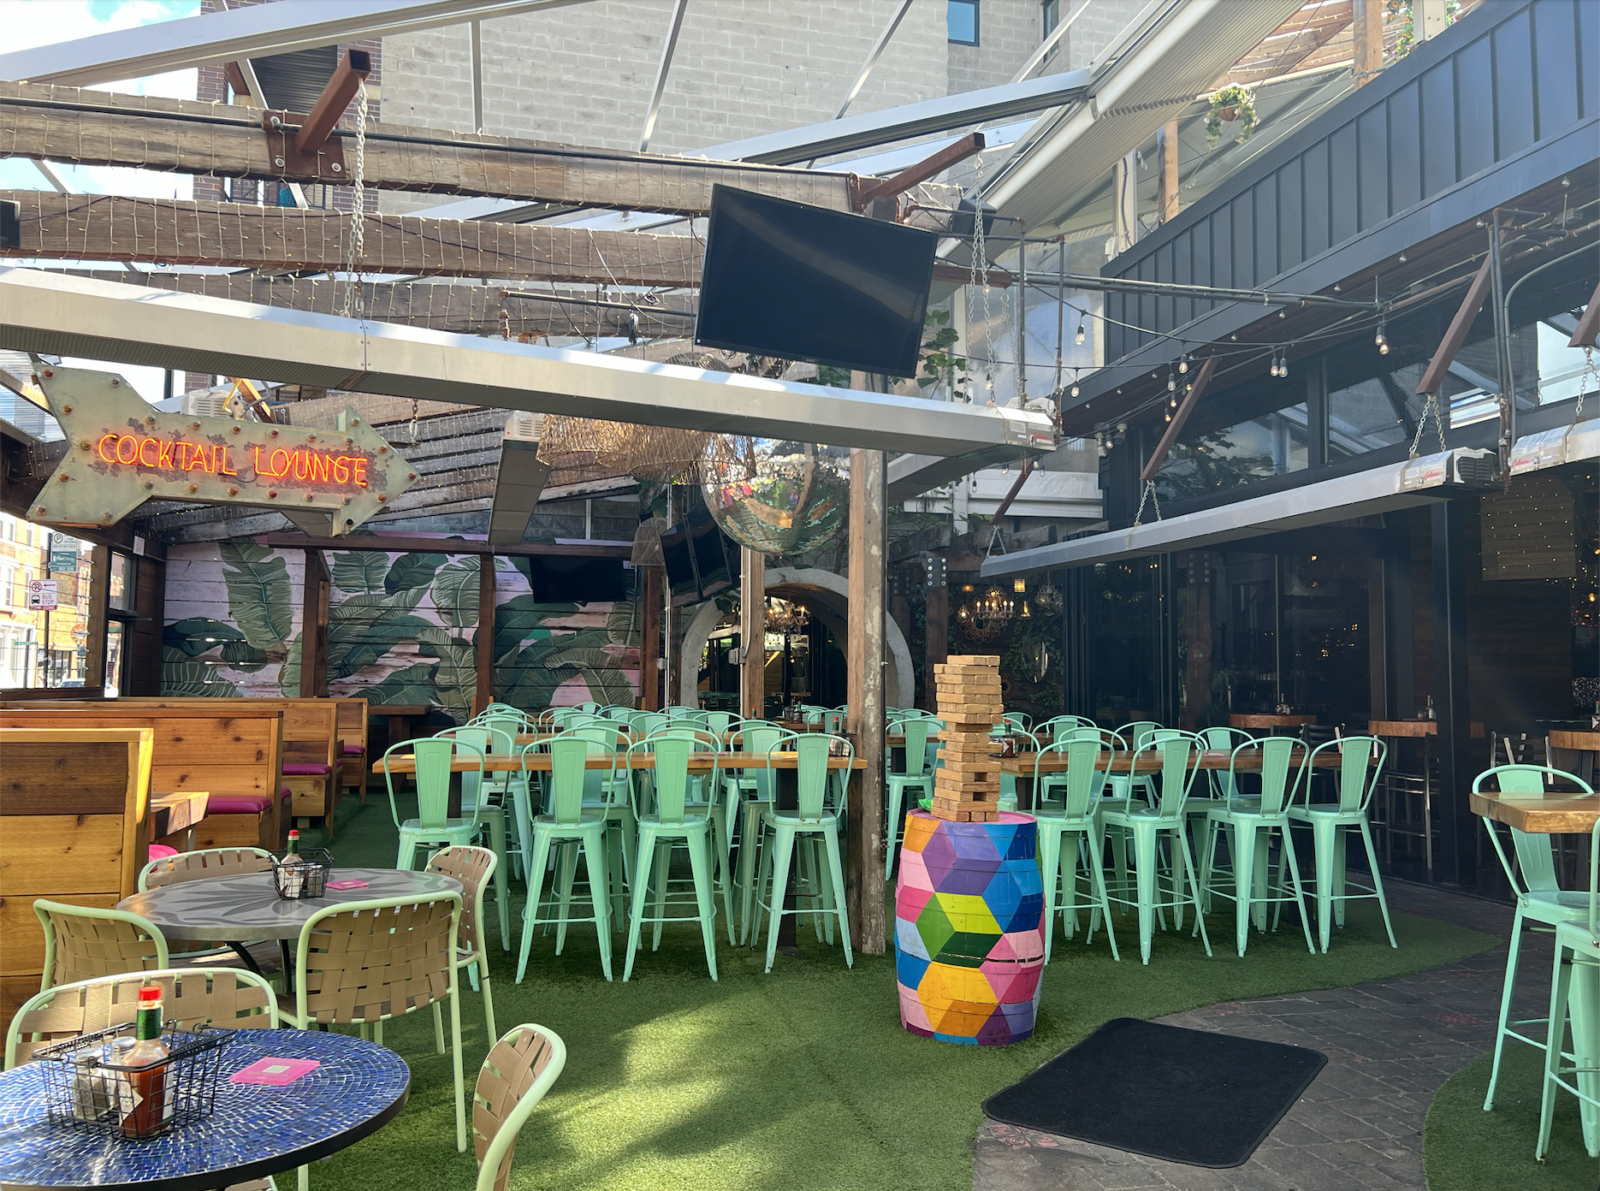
x=246, y=906
x=256, y=1130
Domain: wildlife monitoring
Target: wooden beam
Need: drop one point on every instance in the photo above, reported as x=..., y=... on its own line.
x=485, y=641
x=1179, y=417
x=1439, y=366
x=86, y=127
x=1368, y=24
x=314, y=627
x=650, y=643
x=1588, y=328
x=103, y=227
x=1167, y=200
x=399, y=544
x=928, y=167
x=753, y=633
x=868, y=552
x=336, y=95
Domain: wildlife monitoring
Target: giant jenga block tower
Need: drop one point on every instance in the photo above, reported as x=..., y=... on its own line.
x=966, y=788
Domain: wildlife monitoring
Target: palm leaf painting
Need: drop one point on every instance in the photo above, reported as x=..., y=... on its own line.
x=195, y=635
x=414, y=684
x=360, y=571
x=412, y=570
x=260, y=598
x=289, y=672
x=181, y=677
x=455, y=593
x=456, y=675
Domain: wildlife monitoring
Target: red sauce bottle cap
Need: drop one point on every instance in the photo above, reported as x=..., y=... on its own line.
x=149, y=994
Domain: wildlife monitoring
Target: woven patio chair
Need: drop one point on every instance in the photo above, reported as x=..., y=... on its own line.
x=514, y=1078
x=474, y=868
x=365, y=962
x=81, y=943
x=197, y=866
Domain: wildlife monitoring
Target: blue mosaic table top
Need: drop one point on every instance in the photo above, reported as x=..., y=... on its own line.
x=256, y=1130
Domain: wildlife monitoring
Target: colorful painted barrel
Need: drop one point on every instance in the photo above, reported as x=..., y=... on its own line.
x=969, y=949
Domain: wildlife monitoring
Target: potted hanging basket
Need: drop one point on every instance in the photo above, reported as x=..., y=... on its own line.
x=1231, y=105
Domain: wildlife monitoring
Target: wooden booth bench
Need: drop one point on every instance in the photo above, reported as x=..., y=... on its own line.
x=74, y=827
x=231, y=750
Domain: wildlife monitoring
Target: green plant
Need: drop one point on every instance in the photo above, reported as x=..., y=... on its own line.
x=1408, y=32
x=939, y=363
x=1232, y=104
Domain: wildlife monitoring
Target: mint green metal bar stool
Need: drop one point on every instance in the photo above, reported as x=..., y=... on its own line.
x=1249, y=823
x=750, y=793
x=1330, y=823
x=674, y=819
x=915, y=774
x=781, y=830
x=1069, y=834
x=434, y=827
x=568, y=824
x=1575, y=986
x=486, y=797
x=1541, y=902
x=1146, y=824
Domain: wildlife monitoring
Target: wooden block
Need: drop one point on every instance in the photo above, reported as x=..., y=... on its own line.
x=973, y=659
x=961, y=785
x=985, y=680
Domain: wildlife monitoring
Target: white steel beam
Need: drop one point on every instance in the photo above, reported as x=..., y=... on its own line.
x=130, y=325
x=668, y=48
x=872, y=57
x=240, y=33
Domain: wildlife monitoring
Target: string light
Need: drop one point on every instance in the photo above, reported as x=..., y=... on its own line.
x=1172, y=381
x=1080, y=333
x=1183, y=364
x=1381, y=341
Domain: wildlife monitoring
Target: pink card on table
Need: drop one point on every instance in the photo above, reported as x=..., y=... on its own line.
x=276, y=1072
x=346, y=884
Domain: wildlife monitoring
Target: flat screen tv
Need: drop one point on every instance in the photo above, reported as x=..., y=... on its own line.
x=805, y=283
x=560, y=580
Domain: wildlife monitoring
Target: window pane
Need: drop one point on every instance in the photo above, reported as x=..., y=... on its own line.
x=1258, y=448
x=1374, y=413
x=961, y=17
x=44, y=632
x=120, y=590
x=116, y=657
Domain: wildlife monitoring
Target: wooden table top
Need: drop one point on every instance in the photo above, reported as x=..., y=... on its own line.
x=1552, y=814
x=1565, y=738
x=1149, y=762
x=412, y=709
x=1410, y=728
x=540, y=762
x=1244, y=720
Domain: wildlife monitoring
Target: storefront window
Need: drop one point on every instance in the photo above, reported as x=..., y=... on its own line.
x=1127, y=641
x=1374, y=413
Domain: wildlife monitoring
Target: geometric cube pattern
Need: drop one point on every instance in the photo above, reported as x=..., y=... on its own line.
x=968, y=938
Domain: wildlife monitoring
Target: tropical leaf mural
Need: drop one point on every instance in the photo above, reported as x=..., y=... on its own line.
x=402, y=628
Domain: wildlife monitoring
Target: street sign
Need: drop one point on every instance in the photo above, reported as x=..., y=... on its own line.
x=64, y=553
x=41, y=595
x=123, y=453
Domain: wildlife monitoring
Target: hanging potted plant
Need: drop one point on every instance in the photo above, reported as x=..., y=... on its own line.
x=1232, y=104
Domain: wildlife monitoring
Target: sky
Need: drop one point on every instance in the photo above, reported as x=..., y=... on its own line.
x=29, y=23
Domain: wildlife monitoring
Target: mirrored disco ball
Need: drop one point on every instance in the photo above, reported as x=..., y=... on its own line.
x=775, y=496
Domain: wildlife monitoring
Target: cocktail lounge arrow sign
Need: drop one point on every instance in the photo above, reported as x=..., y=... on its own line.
x=121, y=453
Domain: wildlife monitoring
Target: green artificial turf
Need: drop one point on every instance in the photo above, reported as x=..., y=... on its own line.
x=1467, y=1149
x=802, y=1078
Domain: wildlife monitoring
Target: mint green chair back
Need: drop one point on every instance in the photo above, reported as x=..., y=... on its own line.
x=1356, y=779
x=812, y=714
x=1138, y=732
x=1177, y=775
x=603, y=736
x=1535, y=852
x=433, y=758
x=650, y=721
x=671, y=776
x=591, y=707
x=758, y=737
x=833, y=721
x=1281, y=770
x=1084, y=777
x=569, y=759
x=1016, y=721
x=719, y=721
x=916, y=734
x=558, y=717
x=676, y=712
x=622, y=714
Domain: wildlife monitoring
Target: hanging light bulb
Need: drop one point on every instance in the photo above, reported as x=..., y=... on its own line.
x=1080, y=332
x=1381, y=341
x=1074, y=389
x=1172, y=382
x=1283, y=364
x=1183, y=364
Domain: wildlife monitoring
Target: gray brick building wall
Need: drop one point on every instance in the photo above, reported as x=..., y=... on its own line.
x=1008, y=31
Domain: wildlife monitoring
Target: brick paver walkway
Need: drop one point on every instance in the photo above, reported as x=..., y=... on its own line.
x=1390, y=1045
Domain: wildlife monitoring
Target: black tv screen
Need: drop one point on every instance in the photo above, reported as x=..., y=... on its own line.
x=678, y=555
x=555, y=579
x=805, y=283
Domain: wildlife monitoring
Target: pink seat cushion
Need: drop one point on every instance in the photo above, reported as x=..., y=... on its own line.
x=161, y=851
x=284, y=793
x=238, y=804
x=354, y=750
x=305, y=769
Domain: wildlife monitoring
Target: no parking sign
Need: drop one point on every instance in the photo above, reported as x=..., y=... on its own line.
x=42, y=595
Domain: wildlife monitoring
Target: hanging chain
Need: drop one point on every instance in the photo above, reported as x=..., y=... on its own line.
x=1438, y=425
x=1583, y=382
x=1149, y=494
x=980, y=277
x=414, y=416
x=354, y=300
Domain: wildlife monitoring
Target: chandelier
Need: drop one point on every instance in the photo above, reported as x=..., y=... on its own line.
x=986, y=617
x=783, y=616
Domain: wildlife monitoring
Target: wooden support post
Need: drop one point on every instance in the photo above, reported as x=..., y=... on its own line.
x=1167, y=192
x=650, y=643
x=1179, y=417
x=314, y=627
x=1367, y=27
x=94, y=670
x=484, y=695
x=1125, y=200
x=335, y=98
x=936, y=625
x=753, y=632
x=1588, y=328
x=929, y=167
x=1439, y=367
x=864, y=883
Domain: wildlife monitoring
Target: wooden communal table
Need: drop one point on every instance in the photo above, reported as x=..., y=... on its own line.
x=400, y=716
x=1561, y=814
x=540, y=762
x=1583, y=742
x=1022, y=766
x=1414, y=729
x=180, y=812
